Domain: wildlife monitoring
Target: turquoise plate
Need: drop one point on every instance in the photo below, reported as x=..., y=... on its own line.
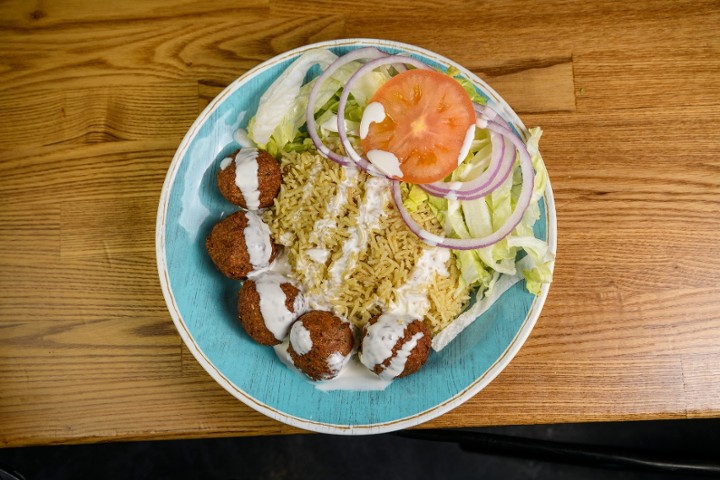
x=202, y=302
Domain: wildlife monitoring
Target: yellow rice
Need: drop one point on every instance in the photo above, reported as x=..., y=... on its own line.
x=384, y=264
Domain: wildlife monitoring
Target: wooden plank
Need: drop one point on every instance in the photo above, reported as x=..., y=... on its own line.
x=114, y=285
x=610, y=322
x=640, y=388
x=30, y=235
x=606, y=80
x=535, y=90
x=597, y=168
x=93, y=172
x=96, y=114
x=701, y=381
x=21, y=14
x=215, y=49
x=94, y=100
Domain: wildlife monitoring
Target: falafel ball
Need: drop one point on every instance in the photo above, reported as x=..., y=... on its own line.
x=267, y=306
x=240, y=244
x=251, y=178
x=321, y=344
x=394, y=346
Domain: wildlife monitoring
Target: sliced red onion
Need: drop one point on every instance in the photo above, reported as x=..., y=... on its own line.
x=359, y=160
x=494, y=175
x=359, y=54
x=501, y=164
x=526, y=189
x=490, y=114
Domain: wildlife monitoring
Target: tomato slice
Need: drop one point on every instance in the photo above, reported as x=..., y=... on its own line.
x=427, y=117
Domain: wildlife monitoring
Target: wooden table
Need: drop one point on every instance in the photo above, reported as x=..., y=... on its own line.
x=96, y=96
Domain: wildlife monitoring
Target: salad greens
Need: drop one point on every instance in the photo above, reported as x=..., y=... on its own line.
x=478, y=218
x=279, y=125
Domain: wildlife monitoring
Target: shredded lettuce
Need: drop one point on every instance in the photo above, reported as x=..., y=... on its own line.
x=482, y=216
x=467, y=86
x=280, y=98
x=472, y=270
x=279, y=126
x=367, y=85
x=280, y=117
x=415, y=197
x=358, y=98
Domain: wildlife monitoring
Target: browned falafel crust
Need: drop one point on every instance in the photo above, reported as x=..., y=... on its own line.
x=329, y=335
x=269, y=180
x=418, y=355
x=227, y=249
x=250, y=315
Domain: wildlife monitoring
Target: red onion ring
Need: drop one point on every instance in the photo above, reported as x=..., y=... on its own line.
x=491, y=179
x=501, y=164
x=359, y=54
x=490, y=114
x=360, y=161
x=526, y=190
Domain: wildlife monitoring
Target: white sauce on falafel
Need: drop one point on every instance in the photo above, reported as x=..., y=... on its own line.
x=300, y=338
x=246, y=176
x=275, y=314
x=397, y=364
x=352, y=376
x=335, y=362
x=258, y=241
x=380, y=339
x=225, y=163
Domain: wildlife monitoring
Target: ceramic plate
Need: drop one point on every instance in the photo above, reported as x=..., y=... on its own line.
x=202, y=302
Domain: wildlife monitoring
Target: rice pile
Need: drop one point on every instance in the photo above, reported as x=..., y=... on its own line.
x=320, y=212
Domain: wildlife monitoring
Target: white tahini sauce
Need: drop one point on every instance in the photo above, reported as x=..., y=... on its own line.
x=386, y=162
x=242, y=138
x=397, y=364
x=374, y=113
x=281, y=266
x=246, y=176
x=318, y=236
x=318, y=255
x=225, y=163
x=340, y=198
x=335, y=362
x=334, y=207
x=300, y=338
x=352, y=376
x=411, y=298
x=257, y=240
x=307, y=191
x=371, y=210
x=273, y=308
x=378, y=343
x=467, y=143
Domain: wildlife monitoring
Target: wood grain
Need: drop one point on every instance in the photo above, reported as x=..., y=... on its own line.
x=95, y=98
